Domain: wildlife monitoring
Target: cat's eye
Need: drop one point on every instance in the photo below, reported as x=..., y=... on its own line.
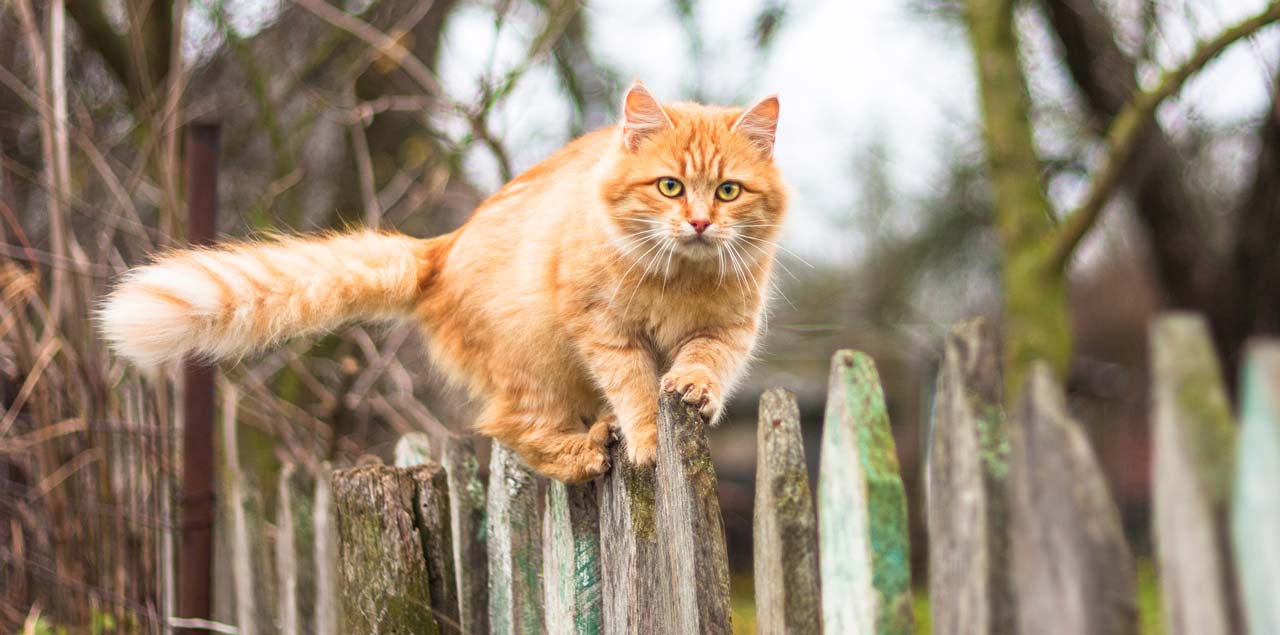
x=728, y=191
x=670, y=187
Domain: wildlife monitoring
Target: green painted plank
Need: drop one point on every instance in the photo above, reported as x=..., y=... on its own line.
x=515, y=546
x=571, y=559
x=788, y=599
x=967, y=490
x=1256, y=507
x=862, y=508
x=1193, y=439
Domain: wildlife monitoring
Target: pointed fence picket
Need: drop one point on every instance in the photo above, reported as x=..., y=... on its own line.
x=1023, y=534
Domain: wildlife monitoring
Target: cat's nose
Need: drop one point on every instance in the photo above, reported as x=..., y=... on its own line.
x=699, y=224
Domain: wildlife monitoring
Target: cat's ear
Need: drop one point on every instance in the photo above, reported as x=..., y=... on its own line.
x=760, y=123
x=642, y=116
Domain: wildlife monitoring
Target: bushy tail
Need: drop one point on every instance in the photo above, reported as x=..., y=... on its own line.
x=230, y=300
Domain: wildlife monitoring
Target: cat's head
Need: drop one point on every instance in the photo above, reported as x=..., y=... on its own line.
x=695, y=182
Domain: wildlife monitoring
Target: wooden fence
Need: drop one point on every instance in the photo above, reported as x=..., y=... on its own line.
x=1024, y=535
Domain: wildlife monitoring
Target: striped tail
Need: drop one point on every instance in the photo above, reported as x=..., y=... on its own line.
x=230, y=300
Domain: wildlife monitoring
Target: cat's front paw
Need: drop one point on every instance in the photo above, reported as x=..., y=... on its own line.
x=696, y=387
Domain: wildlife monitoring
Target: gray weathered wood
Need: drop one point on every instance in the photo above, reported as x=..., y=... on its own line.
x=326, y=616
x=287, y=554
x=1256, y=506
x=967, y=490
x=431, y=495
x=571, y=559
x=1073, y=572
x=788, y=600
x=515, y=546
x=862, y=510
x=385, y=585
x=632, y=568
x=690, y=528
x=1194, y=441
x=467, y=511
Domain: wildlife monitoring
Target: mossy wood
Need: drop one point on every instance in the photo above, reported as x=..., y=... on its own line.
x=434, y=524
x=467, y=510
x=1073, y=571
x=862, y=509
x=967, y=477
x=787, y=593
x=515, y=546
x=385, y=584
x=571, y=559
x=690, y=528
x=1194, y=439
x=631, y=565
x=1256, y=507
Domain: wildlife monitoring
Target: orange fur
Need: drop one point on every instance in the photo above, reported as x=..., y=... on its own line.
x=571, y=297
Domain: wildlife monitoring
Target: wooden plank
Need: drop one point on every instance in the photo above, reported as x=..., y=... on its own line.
x=788, y=597
x=571, y=565
x=467, y=521
x=862, y=509
x=690, y=528
x=325, y=616
x=515, y=546
x=1256, y=506
x=1072, y=568
x=385, y=585
x=966, y=490
x=1194, y=440
x=431, y=497
x=287, y=554
x=632, y=568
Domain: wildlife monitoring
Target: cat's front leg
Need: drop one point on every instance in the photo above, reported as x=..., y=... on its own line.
x=625, y=372
x=707, y=366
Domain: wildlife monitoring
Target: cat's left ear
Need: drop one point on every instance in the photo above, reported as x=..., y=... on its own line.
x=760, y=124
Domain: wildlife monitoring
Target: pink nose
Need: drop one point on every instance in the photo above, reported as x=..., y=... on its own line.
x=699, y=224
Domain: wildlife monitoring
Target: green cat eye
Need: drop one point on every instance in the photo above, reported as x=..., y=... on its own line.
x=670, y=187
x=728, y=191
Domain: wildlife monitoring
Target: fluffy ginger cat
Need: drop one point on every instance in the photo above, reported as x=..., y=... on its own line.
x=633, y=260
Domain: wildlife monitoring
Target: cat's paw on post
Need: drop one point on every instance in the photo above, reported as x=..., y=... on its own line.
x=642, y=447
x=695, y=387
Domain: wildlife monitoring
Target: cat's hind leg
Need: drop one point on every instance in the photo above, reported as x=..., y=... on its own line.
x=553, y=444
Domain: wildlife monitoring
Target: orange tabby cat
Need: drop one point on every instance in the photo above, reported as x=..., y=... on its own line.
x=633, y=260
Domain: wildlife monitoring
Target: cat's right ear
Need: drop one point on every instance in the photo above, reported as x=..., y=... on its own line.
x=642, y=116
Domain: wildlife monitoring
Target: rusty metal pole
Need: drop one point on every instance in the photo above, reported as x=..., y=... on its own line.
x=198, y=495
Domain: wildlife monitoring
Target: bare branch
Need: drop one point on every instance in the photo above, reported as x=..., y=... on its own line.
x=1127, y=130
x=385, y=44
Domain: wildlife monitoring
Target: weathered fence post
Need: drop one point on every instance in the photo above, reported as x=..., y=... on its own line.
x=393, y=526
x=287, y=554
x=1194, y=442
x=515, y=546
x=966, y=488
x=326, y=616
x=431, y=495
x=1256, y=507
x=468, y=509
x=690, y=527
x=1072, y=568
x=788, y=599
x=862, y=508
x=631, y=566
x=571, y=560
x=663, y=563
